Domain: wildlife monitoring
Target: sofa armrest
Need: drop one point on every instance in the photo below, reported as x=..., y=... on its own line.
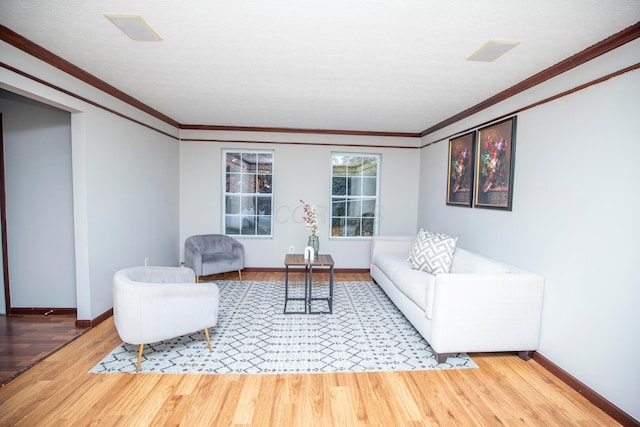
x=237, y=249
x=391, y=244
x=486, y=312
x=193, y=257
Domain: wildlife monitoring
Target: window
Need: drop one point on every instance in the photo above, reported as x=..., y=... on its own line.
x=248, y=197
x=354, y=194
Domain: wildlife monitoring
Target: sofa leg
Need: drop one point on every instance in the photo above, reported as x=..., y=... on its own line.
x=525, y=355
x=441, y=357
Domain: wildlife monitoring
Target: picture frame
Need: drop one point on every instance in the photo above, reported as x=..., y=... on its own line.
x=460, y=171
x=495, y=156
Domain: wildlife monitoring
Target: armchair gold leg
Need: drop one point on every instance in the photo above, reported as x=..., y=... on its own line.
x=139, y=357
x=206, y=333
x=240, y=274
x=197, y=279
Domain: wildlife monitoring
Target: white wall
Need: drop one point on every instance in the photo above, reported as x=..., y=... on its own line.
x=125, y=180
x=574, y=220
x=132, y=201
x=37, y=150
x=302, y=171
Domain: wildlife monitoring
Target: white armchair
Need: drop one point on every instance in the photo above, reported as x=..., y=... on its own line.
x=152, y=304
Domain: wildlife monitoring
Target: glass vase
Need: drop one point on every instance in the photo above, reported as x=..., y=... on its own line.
x=315, y=244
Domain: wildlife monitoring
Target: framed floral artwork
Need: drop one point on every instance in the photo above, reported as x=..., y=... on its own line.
x=460, y=172
x=495, y=155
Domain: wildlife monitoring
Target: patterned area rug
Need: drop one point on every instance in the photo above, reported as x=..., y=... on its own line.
x=365, y=333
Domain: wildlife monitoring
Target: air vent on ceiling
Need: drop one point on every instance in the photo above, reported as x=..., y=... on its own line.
x=133, y=26
x=492, y=50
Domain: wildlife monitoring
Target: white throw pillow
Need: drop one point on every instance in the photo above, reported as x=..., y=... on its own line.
x=432, y=252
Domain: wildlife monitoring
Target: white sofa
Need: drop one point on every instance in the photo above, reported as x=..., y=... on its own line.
x=482, y=305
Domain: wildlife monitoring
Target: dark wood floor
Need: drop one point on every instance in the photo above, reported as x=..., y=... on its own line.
x=27, y=339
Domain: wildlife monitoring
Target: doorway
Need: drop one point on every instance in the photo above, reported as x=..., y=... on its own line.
x=38, y=250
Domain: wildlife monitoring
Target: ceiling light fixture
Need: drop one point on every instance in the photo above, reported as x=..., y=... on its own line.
x=133, y=26
x=492, y=50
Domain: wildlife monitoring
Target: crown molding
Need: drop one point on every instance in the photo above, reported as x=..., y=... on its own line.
x=610, y=43
x=299, y=130
x=625, y=36
x=11, y=37
x=37, y=51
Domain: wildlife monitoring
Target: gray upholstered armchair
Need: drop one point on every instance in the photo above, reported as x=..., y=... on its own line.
x=209, y=254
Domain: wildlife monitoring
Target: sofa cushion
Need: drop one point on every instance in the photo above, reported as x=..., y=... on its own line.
x=468, y=262
x=416, y=285
x=390, y=262
x=432, y=252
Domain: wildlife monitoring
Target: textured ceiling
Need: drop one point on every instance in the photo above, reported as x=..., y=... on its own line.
x=388, y=66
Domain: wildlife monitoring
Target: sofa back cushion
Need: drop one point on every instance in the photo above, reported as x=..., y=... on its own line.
x=468, y=262
x=158, y=274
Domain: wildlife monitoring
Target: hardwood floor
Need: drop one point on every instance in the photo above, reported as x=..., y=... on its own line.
x=505, y=390
x=26, y=339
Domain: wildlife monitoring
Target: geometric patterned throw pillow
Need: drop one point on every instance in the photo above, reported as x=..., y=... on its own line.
x=432, y=252
x=422, y=235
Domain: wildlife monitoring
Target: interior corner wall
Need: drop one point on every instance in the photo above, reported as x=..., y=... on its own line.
x=301, y=171
x=125, y=179
x=574, y=220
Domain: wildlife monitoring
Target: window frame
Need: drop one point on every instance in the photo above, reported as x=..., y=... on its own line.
x=361, y=197
x=241, y=195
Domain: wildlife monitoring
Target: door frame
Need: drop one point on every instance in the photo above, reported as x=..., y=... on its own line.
x=9, y=309
x=3, y=224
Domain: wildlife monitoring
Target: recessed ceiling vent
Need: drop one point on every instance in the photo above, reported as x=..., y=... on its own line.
x=133, y=26
x=492, y=50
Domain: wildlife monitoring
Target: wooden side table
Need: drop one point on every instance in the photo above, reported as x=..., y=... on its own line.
x=298, y=261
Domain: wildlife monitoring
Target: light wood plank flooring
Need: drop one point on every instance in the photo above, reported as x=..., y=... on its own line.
x=505, y=390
